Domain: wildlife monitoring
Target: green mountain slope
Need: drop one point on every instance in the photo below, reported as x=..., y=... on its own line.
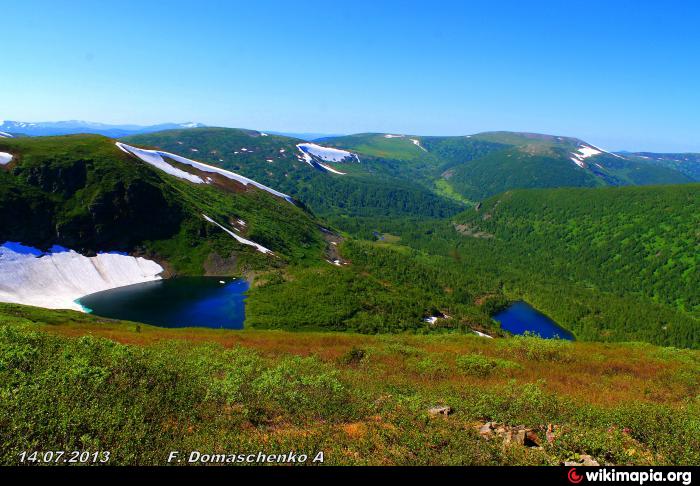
x=478, y=166
x=84, y=193
x=641, y=241
x=380, y=145
x=366, y=189
x=686, y=163
x=610, y=264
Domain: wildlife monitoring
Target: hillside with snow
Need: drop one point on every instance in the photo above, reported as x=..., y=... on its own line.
x=87, y=214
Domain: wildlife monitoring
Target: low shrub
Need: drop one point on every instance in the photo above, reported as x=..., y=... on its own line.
x=538, y=349
x=304, y=388
x=354, y=356
x=479, y=365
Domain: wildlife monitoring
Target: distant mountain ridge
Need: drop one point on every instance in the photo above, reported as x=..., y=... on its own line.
x=72, y=127
x=477, y=166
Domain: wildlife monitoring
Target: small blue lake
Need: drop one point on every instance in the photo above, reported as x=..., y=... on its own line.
x=520, y=318
x=175, y=302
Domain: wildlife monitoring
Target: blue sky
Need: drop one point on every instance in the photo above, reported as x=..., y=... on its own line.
x=620, y=74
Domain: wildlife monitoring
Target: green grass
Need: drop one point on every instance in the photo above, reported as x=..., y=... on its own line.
x=445, y=189
x=72, y=382
x=377, y=145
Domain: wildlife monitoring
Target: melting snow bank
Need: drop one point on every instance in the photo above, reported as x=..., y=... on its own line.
x=585, y=151
x=55, y=280
x=327, y=154
x=311, y=150
x=260, y=248
x=5, y=158
x=155, y=158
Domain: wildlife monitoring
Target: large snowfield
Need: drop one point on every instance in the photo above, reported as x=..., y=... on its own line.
x=155, y=158
x=56, y=279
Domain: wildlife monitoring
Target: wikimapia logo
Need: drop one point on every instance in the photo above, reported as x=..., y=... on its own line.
x=637, y=477
x=574, y=477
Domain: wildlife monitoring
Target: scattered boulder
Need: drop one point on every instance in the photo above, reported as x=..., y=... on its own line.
x=440, y=410
x=509, y=434
x=485, y=431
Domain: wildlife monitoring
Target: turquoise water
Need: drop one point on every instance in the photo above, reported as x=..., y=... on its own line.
x=176, y=302
x=520, y=318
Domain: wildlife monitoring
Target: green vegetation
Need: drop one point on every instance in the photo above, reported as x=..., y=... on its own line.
x=687, y=163
x=482, y=165
x=384, y=290
x=82, y=192
x=513, y=168
x=607, y=264
x=372, y=188
x=379, y=145
x=479, y=365
x=244, y=391
x=637, y=241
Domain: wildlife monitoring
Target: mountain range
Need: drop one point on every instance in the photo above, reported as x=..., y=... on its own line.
x=451, y=239
x=36, y=129
x=392, y=174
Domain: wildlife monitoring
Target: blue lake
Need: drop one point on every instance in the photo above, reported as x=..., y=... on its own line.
x=175, y=302
x=520, y=318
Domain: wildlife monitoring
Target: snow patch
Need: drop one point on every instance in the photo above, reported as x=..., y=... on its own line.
x=56, y=279
x=327, y=154
x=416, y=142
x=582, y=153
x=331, y=169
x=578, y=162
x=5, y=158
x=393, y=136
x=587, y=151
x=240, y=239
x=155, y=158
x=482, y=334
x=5, y=135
